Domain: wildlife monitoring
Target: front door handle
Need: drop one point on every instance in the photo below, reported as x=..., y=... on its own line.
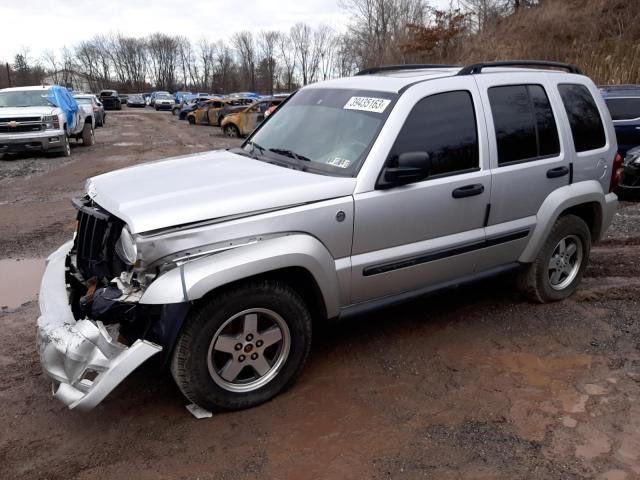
x=468, y=191
x=557, y=172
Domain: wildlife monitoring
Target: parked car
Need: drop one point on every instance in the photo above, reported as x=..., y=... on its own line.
x=136, y=101
x=243, y=122
x=623, y=102
x=42, y=118
x=110, y=100
x=629, y=188
x=177, y=97
x=206, y=112
x=163, y=102
x=90, y=100
x=123, y=98
x=357, y=193
x=151, y=101
x=188, y=104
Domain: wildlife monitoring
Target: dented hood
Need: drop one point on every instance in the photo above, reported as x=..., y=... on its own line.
x=207, y=186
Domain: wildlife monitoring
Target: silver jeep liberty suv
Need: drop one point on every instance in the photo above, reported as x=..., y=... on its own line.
x=355, y=193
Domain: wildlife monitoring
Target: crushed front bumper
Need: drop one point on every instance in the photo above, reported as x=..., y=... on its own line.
x=81, y=358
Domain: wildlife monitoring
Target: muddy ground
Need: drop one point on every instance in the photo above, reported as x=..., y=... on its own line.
x=474, y=383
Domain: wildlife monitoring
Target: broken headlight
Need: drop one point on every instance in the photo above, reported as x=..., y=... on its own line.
x=126, y=247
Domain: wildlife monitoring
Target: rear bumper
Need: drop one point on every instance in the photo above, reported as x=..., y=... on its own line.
x=83, y=361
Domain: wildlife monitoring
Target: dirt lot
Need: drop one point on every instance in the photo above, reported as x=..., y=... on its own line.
x=469, y=384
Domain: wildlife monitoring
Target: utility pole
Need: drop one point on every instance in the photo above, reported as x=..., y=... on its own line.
x=8, y=75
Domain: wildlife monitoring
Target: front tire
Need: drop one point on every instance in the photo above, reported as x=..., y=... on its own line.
x=66, y=147
x=192, y=121
x=243, y=346
x=88, y=135
x=231, y=131
x=558, y=268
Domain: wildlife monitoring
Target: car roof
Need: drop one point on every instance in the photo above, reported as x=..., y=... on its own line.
x=613, y=91
x=396, y=80
x=31, y=88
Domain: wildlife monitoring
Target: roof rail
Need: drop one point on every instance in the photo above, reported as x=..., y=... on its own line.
x=391, y=68
x=477, y=68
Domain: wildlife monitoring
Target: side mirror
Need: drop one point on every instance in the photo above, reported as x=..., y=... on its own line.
x=407, y=168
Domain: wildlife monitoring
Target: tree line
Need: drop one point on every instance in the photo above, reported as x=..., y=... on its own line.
x=377, y=32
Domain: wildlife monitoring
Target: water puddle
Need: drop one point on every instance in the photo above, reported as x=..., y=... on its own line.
x=19, y=280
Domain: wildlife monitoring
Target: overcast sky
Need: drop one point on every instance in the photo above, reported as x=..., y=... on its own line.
x=52, y=24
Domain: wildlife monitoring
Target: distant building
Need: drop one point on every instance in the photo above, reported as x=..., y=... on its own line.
x=71, y=79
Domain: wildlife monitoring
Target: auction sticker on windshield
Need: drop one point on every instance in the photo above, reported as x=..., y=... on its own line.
x=368, y=104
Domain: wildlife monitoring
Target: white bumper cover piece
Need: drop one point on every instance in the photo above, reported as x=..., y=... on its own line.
x=81, y=358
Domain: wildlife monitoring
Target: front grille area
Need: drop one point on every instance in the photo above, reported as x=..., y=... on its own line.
x=22, y=128
x=98, y=232
x=20, y=119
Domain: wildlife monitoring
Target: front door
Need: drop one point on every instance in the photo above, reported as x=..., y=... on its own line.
x=411, y=237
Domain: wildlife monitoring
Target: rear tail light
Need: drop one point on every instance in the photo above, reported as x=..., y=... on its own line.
x=95, y=109
x=616, y=172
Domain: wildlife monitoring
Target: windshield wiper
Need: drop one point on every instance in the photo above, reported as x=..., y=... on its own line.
x=289, y=153
x=255, y=146
x=300, y=159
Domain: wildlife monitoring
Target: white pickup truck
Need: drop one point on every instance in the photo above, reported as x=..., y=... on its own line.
x=30, y=121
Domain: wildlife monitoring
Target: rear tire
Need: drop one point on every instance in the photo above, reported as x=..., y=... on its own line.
x=557, y=270
x=88, y=135
x=243, y=346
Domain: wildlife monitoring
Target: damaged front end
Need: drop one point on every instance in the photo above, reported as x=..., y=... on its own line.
x=92, y=332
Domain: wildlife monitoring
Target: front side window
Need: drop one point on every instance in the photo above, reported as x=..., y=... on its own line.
x=586, y=125
x=444, y=126
x=627, y=108
x=524, y=124
x=322, y=130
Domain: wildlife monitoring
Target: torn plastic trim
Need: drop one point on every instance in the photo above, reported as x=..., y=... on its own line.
x=83, y=360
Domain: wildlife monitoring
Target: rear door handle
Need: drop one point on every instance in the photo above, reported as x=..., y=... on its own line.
x=557, y=172
x=468, y=191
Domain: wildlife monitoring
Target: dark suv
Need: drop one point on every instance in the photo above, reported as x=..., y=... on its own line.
x=110, y=100
x=624, y=105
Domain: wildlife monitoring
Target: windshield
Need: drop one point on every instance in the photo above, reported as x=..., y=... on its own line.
x=326, y=130
x=83, y=101
x=164, y=97
x=25, y=98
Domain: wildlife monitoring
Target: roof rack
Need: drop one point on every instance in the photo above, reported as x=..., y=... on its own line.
x=477, y=68
x=391, y=68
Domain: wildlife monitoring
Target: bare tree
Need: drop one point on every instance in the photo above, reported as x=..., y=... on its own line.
x=245, y=47
x=301, y=38
x=288, y=54
x=267, y=43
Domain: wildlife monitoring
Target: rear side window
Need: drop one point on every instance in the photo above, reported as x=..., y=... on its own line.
x=584, y=118
x=444, y=126
x=524, y=123
x=624, y=108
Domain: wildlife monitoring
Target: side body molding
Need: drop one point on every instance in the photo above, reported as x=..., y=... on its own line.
x=194, y=279
x=562, y=199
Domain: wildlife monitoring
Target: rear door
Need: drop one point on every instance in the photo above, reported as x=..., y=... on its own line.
x=529, y=158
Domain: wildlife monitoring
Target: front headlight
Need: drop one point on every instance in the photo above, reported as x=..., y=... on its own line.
x=126, y=247
x=51, y=122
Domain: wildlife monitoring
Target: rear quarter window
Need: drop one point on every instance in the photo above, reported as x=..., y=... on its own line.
x=584, y=118
x=627, y=108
